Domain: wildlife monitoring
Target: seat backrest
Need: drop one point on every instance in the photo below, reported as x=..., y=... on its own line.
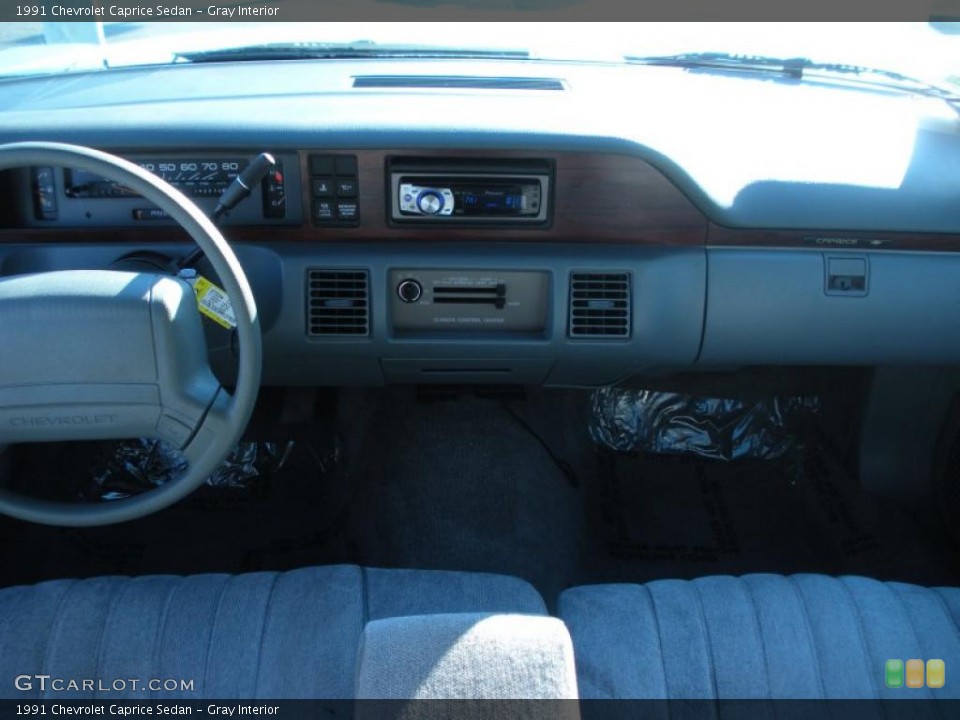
x=764, y=636
x=255, y=635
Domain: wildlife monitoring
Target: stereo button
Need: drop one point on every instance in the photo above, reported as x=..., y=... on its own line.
x=430, y=202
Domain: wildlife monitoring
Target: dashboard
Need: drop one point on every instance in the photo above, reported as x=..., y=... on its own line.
x=490, y=232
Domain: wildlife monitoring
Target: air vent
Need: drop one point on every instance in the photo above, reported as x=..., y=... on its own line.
x=457, y=82
x=600, y=305
x=338, y=302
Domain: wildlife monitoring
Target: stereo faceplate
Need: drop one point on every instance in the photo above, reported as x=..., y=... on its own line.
x=475, y=195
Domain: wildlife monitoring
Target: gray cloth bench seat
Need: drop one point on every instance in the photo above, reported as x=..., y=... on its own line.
x=759, y=636
x=341, y=632
x=258, y=635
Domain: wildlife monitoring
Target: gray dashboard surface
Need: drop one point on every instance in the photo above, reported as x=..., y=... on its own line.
x=771, y=154
x=750, y=152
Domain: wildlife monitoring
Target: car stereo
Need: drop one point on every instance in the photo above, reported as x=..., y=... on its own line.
x=472, y=192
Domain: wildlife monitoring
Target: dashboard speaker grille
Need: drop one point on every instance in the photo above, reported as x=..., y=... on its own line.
x=599, y=305
x=338, y=302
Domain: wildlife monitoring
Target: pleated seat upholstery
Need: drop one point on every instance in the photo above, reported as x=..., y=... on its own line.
x=258, y=635
x=759, y=636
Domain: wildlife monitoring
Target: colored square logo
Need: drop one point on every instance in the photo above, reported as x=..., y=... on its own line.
x=936, y=673
x=893, y=672
x=914, y=673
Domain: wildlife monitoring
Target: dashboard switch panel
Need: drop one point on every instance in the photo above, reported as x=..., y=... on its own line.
x=274, y=188
x=335, y=188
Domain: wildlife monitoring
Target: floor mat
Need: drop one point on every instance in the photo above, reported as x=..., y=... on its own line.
x=662, y=516
x=289, y=518
x=481, y=483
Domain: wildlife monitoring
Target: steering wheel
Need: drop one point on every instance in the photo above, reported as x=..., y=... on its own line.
x=100, y=354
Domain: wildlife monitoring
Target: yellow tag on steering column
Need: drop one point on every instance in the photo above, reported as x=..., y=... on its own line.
x=213, y=302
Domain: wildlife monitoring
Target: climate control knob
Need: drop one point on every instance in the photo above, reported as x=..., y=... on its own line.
x=409, y=291
x=430, y=202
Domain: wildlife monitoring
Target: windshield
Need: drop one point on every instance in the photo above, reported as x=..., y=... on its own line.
x=925, y=51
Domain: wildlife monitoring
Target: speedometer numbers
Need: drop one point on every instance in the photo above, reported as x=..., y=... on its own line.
x=197, y=178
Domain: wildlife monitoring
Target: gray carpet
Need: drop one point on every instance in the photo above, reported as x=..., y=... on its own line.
x=476, y=483
x=462, y=484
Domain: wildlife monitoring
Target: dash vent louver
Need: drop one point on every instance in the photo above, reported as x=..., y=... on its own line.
x=338, y=303
x=600, y=305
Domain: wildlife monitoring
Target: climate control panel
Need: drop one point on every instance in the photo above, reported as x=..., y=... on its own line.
x=475, y=300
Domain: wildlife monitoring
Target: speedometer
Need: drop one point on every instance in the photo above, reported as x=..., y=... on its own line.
x=198, y=178
x=194, y=178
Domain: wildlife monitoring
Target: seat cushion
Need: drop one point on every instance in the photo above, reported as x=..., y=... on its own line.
x=467, y=656
x=758, y=636
x=259, y=635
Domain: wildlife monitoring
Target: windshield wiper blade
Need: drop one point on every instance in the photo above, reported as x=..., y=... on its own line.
x=797, y=68
x=337, y=51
